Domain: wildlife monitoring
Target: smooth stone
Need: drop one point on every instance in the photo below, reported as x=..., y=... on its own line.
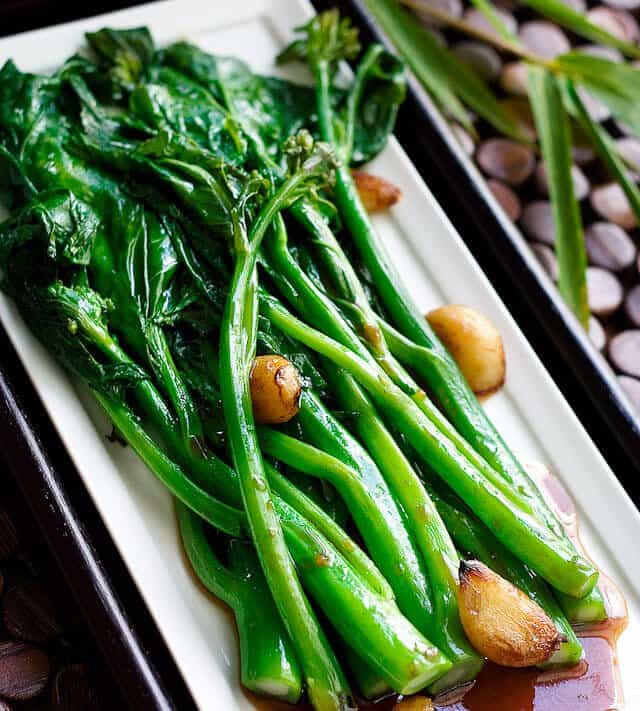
x=624, y=352
x=507, y=199
x=24, y=671
x=464, y=138
x=547, y=258
x=537, y=222
x=544, y=39
x=629, y=150
x=450, y=7
x=513, y=78
x=506, y=160
x=610, y=202
x=632, y=305
x=619, y=23
x=598, y=50
x=479, y=57
x=623, y=4
x=604, y=292
x=631, y=387
x=597, y=334
x=609, y=246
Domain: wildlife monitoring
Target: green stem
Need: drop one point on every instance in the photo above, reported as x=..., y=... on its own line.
x=441, y=622
x=443, y=378
x=351, y=552
x=226, y=518
x=555, y=560
x=327, y=686
x=476, y=541
x=268, y=664
x=587, y=609
x=374, y=512
x=162, y=363
x=372, y=626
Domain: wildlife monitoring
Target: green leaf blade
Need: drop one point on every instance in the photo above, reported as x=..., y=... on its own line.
x=450, y=82
x=494, y=19
x=577, y=22
x=615, y=84
x=606, y=150
x=554, y=132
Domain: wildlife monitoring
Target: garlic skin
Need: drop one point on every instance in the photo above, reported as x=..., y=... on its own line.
x=275, y=389
x=501, y=622
x=376, y=193
x=415, y=703
x=475, y=344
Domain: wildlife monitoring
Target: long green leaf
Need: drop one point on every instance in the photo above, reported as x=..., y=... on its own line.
x=449, y=81
x=578, y=23
x=555, y=139
x=494, y=19
x=606, y=149
x=615, y=84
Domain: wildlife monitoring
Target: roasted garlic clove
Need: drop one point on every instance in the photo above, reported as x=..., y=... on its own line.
x=275, y=389
x=376, y=193
x=415, y=703
x=501, y=622
x=475, y=344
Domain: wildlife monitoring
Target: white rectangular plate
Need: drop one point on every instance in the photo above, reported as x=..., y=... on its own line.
x=530, y=411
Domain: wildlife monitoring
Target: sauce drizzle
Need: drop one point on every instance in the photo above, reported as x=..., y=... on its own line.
x=591, y=685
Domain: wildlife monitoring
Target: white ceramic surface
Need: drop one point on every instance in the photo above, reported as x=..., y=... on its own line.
x=530, y=411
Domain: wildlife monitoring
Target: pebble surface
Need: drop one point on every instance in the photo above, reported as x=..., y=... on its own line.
x=46, y=658
x=517, y=177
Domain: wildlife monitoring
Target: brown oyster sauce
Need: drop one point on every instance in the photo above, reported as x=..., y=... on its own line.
x=591, y=685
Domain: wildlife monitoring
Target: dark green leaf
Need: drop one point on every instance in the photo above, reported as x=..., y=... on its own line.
x=54, y=223
x=124, y=53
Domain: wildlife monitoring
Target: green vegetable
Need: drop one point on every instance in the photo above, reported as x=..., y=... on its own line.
x=579, y=24
x=161, y=200
x=326, y=684
x=552, y=558
x=444, y=379
x=267, y=662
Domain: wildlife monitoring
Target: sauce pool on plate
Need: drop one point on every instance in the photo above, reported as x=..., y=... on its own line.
x=591, y=685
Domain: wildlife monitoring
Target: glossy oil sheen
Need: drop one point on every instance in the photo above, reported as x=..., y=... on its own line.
x=591, y=685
